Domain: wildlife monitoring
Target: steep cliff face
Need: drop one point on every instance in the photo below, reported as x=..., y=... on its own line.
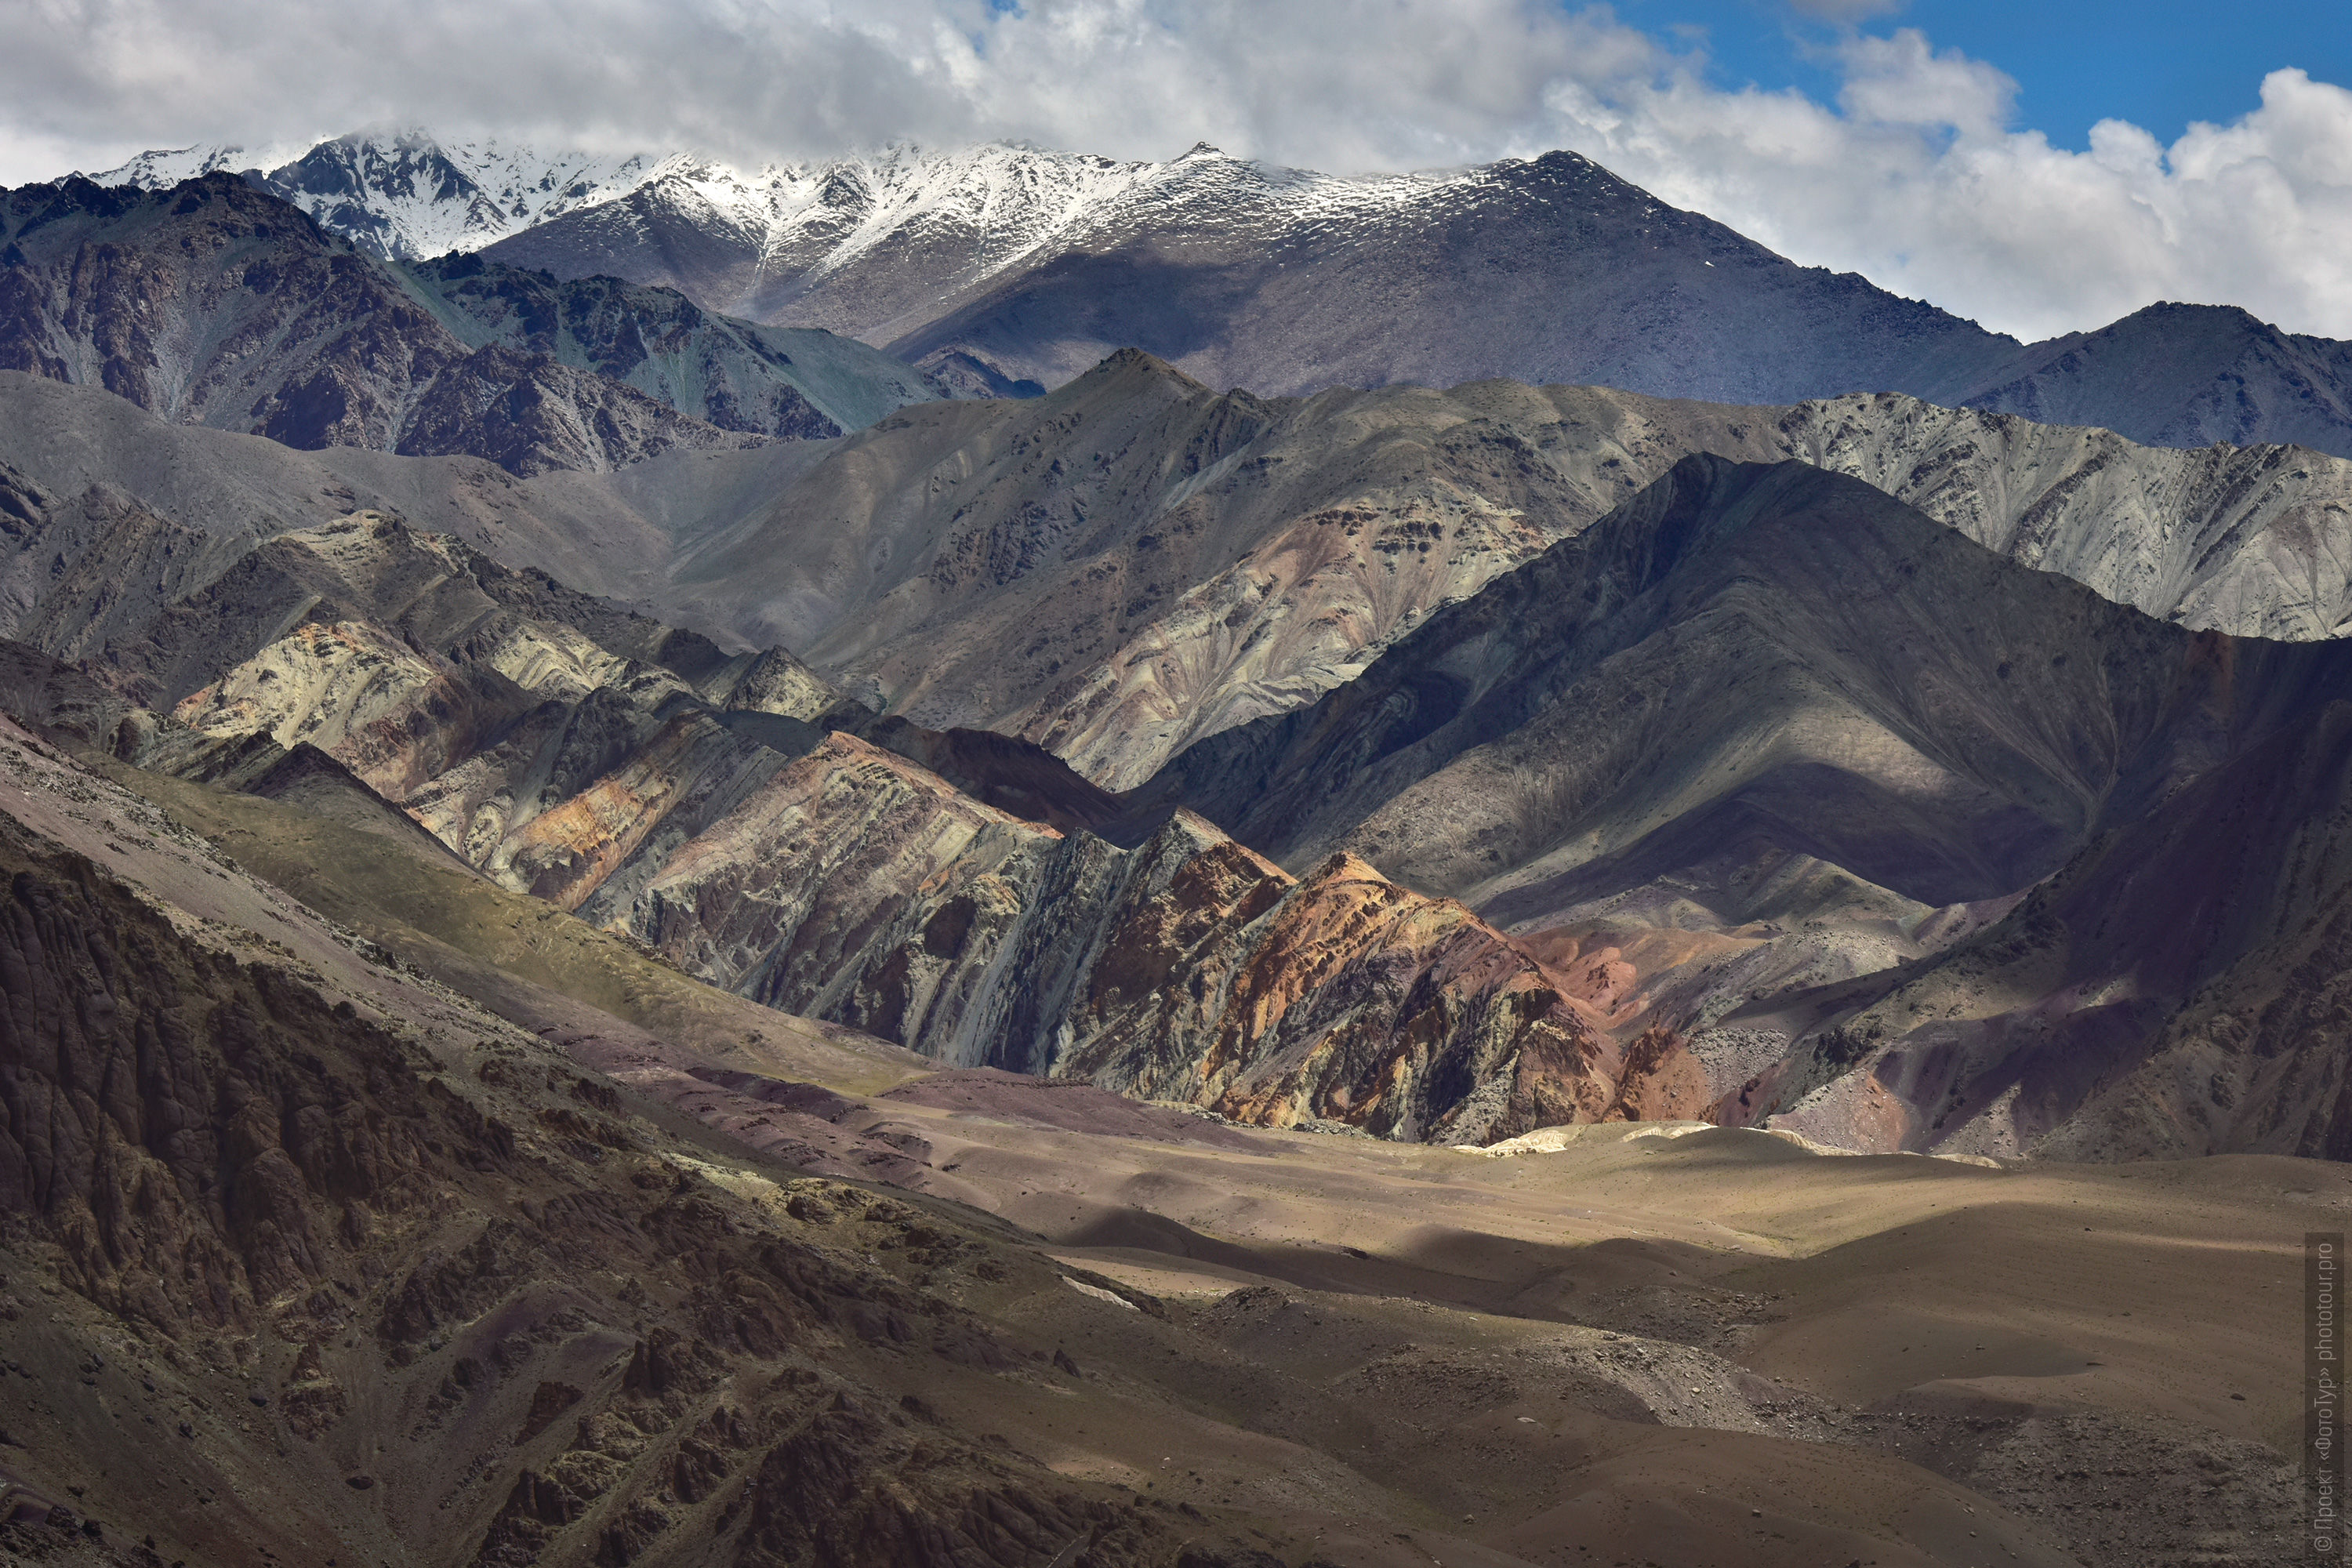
x=215, y=304
x=858, y=888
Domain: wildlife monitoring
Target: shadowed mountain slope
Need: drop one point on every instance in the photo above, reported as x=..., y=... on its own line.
x=2179, y=989
x=794, y=384
x=1764, y=733
x=1908, y=704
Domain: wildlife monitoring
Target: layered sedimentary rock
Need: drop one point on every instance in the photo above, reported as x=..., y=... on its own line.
x=858, y=888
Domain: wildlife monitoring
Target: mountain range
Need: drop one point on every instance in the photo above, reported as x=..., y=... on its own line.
x=1011, y=268
x=213, y=303
x=995, y=859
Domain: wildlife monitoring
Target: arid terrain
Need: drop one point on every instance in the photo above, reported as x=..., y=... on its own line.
x=447, y=1229
x=641, y=936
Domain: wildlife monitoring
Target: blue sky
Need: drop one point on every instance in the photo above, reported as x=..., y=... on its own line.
x=2160, y=64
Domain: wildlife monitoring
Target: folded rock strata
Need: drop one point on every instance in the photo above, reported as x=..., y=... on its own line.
x=855, y=887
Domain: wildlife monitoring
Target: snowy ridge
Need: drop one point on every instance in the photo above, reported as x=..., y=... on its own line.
x=165, y=167
x=409, y=196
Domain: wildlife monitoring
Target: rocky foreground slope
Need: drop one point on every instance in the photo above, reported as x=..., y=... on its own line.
x=363, y=1268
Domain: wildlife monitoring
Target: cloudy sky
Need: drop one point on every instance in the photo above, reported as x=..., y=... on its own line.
x=2041, y=167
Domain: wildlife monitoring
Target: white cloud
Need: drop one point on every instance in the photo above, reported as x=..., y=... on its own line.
x=1914, y=177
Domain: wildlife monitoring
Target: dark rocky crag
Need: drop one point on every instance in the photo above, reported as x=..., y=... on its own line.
x=213, y=303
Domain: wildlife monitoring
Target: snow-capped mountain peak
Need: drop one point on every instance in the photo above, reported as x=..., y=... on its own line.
x=407, y=195
x=165, y=167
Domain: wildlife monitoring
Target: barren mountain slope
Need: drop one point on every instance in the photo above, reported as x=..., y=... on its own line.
x=1749, y=734
x=797, y=384
x=212, y=304
x=1767, y=637
x=854, y=888
x=2177, y=989
x=1134, y=561
x=543, y=1317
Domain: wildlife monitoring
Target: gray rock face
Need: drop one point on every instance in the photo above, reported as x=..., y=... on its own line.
x=2252, y=541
